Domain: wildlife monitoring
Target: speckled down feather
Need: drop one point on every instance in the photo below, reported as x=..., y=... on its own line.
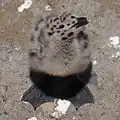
x=59, y=45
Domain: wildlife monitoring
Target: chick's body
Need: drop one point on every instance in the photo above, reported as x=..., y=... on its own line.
x=59, y=45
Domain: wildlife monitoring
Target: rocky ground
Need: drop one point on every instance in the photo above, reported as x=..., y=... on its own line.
x=15, y=26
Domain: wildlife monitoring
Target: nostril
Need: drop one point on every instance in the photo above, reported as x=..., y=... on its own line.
x=70, y=34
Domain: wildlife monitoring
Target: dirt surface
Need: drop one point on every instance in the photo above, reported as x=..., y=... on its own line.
x=15, y=28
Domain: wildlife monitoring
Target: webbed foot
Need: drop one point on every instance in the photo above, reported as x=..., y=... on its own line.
x=35, y=97
x=83, y=97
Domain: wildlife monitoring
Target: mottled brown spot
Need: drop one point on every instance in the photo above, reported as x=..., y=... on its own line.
x=54, y=26
x=64, y=38
x=58, y=31
x=56, y=19
x=61, y=26
x=50, y=21
x=62, y=33
x=68, y=24
x=73, y=22
x=50, y=33
x=64, y=18
x=70, y=34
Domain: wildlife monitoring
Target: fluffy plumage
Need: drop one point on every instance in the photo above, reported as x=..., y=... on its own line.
x=59, y=45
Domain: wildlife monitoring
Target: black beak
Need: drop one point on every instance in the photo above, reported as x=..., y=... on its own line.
x=81, y=21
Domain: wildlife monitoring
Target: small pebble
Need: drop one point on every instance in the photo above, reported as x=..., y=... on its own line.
x=74, y=118
x=61, y=109
x=48, y=8
x=94, y=62
x=114, y=41
x=17, y=49
x=27, y=4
